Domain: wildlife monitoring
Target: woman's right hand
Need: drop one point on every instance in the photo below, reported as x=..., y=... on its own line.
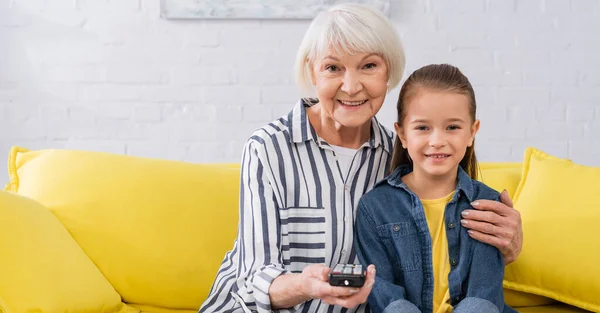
x=313, y=281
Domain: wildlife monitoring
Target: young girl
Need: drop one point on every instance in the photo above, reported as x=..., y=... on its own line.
x=408, y=226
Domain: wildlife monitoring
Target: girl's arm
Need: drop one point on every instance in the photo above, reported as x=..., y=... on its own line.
x=385, y=296
x=484, y=285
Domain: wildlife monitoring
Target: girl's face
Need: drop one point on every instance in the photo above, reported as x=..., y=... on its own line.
x=436, y=131
x=350, y=88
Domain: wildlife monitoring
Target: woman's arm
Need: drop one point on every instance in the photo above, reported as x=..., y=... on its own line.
x=264, y=283
x=497, y=224
x=259, y=254
x=291, y=289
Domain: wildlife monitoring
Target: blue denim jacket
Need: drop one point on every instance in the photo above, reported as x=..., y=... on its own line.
x=392, y=233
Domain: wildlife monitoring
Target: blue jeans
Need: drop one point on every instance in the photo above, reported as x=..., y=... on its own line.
x=467, y=305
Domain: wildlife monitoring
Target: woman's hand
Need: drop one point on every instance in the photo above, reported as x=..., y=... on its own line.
x=314, y=284
x=496, y=223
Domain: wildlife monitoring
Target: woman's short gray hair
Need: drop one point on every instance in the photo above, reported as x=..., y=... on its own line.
x=349, y=28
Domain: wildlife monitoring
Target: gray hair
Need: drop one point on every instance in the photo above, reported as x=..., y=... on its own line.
x=349, y=28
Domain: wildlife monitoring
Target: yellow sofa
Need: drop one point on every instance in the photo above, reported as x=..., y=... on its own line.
x=95, y=232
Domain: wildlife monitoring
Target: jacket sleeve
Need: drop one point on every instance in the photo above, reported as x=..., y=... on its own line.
x=385, y=296
x=486, y=274
x=260, y=260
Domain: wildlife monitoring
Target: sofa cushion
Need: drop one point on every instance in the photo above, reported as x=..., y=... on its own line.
x=560, y=209
x=42, y=269
x=555, y=308
x=156, y=229
x=500, y=176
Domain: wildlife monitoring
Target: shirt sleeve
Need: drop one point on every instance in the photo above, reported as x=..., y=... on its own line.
x=260, y=260
x=385, y=296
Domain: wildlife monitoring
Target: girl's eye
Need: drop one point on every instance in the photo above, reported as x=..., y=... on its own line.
x=332, y=68
x=370, y=66
x=422, y=127
x=453, y=127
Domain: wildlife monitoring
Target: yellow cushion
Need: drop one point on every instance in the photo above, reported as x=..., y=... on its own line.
x=518, y=299
x=157, y=229
x=560, y=208
x=42, y=269
x=151, y=309
x=501, y=175
x=556, y=308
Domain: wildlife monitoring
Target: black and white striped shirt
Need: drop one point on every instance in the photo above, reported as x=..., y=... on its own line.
x=296, y=208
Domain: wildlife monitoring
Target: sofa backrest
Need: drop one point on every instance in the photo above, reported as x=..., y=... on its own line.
x=157, y=229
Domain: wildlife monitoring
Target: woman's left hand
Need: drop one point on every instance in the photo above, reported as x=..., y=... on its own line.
x=497, y=224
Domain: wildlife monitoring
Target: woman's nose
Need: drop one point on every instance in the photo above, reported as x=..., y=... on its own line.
x=351, y=83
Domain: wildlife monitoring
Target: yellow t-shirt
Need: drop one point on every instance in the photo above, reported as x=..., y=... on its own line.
x=434, y=213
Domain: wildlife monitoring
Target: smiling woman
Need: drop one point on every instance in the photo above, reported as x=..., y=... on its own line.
x=303, y=173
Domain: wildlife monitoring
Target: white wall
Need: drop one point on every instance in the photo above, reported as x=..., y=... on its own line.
x=110, y=75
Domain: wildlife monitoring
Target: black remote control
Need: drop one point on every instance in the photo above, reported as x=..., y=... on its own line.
x=347, y=275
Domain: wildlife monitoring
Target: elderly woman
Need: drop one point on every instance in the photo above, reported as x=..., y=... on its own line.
x=303, y=174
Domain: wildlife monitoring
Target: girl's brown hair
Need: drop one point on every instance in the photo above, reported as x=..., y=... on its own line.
x=439, y=77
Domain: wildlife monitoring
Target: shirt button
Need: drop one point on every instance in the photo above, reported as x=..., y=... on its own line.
x=456, y=298
x=396, y=227
x=451, y=225
x=453, y=262
x=347, y=187
x=343, y=252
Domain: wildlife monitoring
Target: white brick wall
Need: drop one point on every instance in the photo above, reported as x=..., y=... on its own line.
x=112, y=76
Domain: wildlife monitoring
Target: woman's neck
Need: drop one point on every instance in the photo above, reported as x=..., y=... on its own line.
x=335, y=133
x=430, y=187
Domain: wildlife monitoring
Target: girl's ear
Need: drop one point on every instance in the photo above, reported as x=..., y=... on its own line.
x=474, y=130
x=401, y=134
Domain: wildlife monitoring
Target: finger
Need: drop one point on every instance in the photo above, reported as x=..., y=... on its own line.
x=482, y=216
x=319, y=271
x=505, y=198
x=342, y=291
x=487, y=228
x=500, y=243
x=347, y=302
x=492, y=206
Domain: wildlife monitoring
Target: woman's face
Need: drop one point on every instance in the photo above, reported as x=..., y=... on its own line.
x=350, y=88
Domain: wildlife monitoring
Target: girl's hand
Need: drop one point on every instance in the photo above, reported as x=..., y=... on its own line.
x=497, y=224
x=314, y=284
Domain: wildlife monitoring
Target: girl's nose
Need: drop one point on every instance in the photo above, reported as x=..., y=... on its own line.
x=437, y=140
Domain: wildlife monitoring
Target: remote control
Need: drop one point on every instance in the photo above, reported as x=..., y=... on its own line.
x=347, y=275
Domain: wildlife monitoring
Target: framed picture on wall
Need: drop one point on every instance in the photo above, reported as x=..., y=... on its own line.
x=254, y=9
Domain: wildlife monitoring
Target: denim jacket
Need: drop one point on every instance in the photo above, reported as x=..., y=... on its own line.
x=392, y=233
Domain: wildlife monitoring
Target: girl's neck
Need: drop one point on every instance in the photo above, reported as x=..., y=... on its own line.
x=336, y=134
x=430, y=187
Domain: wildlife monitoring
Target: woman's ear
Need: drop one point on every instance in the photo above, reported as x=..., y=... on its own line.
x=401, y=134
x=474, y=130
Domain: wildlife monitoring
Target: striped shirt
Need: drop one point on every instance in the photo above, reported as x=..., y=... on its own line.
x=297, y=208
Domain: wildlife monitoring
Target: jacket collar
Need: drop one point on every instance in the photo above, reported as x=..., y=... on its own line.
x=464, y=185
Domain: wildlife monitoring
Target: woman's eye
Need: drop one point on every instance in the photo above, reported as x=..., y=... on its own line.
x=422, y=127
x=370, y=65
x=453, y=127
x=332, y=68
